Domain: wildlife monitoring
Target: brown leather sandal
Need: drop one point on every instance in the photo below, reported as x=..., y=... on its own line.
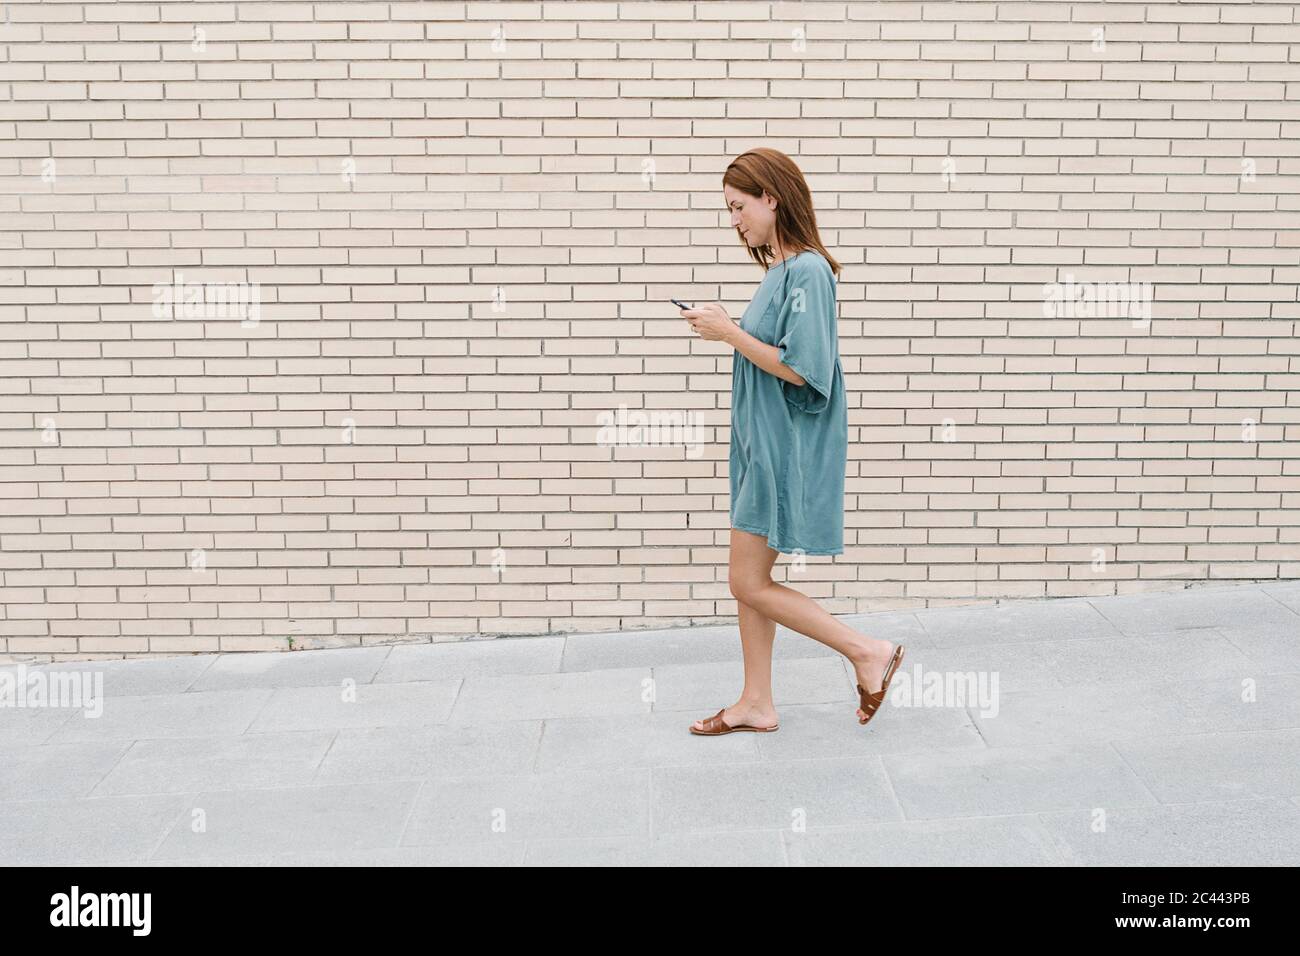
x=715, y=726
x=870, y=703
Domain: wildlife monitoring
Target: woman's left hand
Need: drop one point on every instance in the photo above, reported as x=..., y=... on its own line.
x=710, y=321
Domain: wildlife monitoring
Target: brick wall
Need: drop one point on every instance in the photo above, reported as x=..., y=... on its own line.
x=451, y=230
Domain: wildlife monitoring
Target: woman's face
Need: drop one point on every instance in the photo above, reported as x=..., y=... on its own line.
x=754, y=218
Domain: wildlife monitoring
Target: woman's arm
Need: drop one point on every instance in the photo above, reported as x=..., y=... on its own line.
x=767, y=357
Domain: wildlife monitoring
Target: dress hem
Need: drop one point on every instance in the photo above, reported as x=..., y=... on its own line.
x=789, y=550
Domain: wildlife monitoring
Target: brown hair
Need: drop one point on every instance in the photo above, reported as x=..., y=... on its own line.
x=771, y=171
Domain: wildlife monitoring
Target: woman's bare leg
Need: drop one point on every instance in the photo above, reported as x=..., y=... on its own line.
x=757, y=634
x=752, y=584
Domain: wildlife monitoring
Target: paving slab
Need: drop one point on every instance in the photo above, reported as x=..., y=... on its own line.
x=1149, y=729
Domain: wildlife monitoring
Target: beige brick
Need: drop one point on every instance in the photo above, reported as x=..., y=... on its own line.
x=354, y=463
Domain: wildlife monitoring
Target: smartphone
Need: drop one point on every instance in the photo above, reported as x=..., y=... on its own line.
x=681, y=305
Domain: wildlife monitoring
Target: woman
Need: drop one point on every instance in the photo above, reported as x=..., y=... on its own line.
x=789, y=436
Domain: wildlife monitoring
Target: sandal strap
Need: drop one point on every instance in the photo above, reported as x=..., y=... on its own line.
x=716, y=722
x=870, y=702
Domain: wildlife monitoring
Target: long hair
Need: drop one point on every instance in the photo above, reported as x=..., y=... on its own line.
x=771, y=171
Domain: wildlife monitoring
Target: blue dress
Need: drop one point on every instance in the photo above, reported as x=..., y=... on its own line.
x=789, y=443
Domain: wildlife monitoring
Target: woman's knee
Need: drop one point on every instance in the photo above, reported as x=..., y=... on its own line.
x=750, y=569
x=745, y=586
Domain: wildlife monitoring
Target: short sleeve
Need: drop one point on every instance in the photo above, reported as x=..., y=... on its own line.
x=807, y=339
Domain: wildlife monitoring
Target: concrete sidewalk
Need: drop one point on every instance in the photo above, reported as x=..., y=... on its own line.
x=1142, y=730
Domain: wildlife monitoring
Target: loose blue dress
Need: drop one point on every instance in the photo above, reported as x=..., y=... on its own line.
x=789, y=443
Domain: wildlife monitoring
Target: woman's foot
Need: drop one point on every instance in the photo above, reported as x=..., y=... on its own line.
x=744, y=713
x=869, y=667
